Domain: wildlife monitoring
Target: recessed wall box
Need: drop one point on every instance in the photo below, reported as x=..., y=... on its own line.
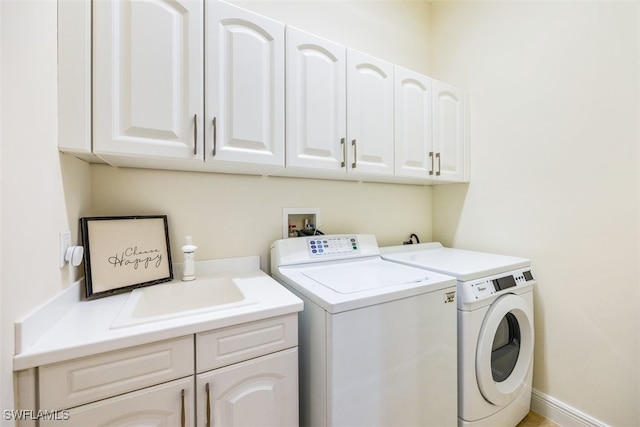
x=297, y=219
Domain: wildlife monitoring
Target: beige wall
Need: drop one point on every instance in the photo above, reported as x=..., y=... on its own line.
x=395, y=30
x=554, y=128
x=42, y=192
x=236, y=215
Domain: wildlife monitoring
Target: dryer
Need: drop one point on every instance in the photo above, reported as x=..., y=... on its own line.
x=495, y=329
x=377, y=339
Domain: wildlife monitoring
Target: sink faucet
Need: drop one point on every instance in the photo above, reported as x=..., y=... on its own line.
x=189, y=267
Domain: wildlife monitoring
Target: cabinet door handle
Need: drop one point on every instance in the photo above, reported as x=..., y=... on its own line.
x=431, y=157
x=215, y=136
x=344, y=152
x=355, y=153
x=208, y=405
x=439, y=165
x=183, y=421
x=195, y=134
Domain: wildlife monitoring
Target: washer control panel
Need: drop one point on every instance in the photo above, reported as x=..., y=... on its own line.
x=329, y=246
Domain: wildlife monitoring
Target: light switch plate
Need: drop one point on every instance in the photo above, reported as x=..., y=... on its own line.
x=65, y=242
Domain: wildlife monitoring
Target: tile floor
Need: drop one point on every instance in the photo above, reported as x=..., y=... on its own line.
x=536, y=420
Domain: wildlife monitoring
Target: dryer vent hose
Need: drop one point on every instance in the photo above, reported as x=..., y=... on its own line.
x=411, y=240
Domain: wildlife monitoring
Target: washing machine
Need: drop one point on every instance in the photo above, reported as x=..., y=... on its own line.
x=495, y=329
x=377, y=339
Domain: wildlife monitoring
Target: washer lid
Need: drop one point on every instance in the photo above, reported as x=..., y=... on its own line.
x=341, y=285
x=462, y=264
x=345, y=279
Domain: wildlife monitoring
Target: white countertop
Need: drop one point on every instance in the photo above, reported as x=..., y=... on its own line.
x=67, y=327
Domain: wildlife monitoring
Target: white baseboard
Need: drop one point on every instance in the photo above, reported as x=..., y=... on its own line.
x=561, y=413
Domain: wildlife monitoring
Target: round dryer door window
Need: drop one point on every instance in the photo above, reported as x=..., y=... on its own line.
x=505, y=349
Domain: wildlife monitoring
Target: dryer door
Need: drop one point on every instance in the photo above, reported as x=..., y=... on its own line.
x=505, y=349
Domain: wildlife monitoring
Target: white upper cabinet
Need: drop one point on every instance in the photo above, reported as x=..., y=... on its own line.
x=449, y=137
x=413, y=131
x=370, y=115
x=339, y=109
x=431, y=143
x=155, y=107
x=147, y=79
x=244, y=85
x=316, y=120
x=205, y=85
x=74, y=78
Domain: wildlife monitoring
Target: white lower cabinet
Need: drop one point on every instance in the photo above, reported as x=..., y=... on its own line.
x=257, y=392
x=76, y=382
x=245, y=374
x=168, y=404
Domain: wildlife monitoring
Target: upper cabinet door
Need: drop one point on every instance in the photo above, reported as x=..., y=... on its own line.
x=244, y=84
x=370, y=119
x=449, y=132
x=414, y=156
x=148, y=82
x=316, y=119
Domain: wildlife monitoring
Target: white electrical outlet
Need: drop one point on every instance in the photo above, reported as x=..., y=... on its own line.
x=65, y=242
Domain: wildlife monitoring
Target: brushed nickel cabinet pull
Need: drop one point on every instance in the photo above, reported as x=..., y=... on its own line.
x=215, y=136
x=439, y=165
x=355, y=154
x=183, y=420
x=431, y=157
x=195, y=134
x=208, y=405
x=344, y=152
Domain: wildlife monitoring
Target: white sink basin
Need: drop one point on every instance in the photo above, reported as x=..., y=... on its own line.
x=176, y=299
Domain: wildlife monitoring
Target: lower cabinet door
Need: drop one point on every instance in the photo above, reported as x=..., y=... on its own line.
x=168, y=404
x=258, y=392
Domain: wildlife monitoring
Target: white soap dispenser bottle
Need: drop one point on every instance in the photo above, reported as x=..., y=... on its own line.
x=189, y=267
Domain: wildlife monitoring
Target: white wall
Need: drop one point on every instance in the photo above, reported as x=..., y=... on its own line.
x=395, y=30
x=233, y=215
x=554, y=135
x=42, y=191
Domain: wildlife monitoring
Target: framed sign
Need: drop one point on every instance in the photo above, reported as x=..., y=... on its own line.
x=125, y=252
